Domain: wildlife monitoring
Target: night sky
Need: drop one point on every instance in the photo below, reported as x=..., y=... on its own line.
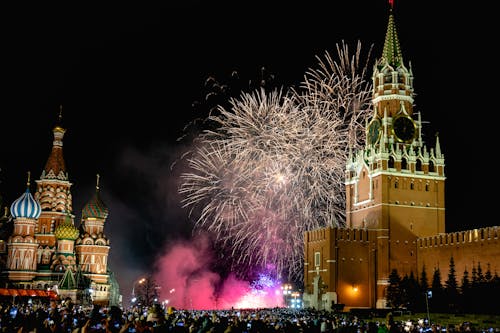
x=128, y=76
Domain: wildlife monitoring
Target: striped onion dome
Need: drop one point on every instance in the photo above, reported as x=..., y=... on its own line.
x=67, y=230
x=26, y=206
x=95, y=207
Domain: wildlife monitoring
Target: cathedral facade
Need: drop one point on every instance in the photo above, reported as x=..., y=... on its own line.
x=41, y=248
x=395, y=207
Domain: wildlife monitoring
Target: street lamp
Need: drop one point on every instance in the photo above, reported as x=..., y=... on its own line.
x=140, y=281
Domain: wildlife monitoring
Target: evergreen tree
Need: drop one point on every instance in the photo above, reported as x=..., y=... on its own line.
x=424, y=282
x=465, y=280
x=465, y=290
x=496, y=279
x=487, y=276
x=451, y=287
x=403, y=286
x=480, y=276
x=437, y=292
x=414, y=296
x=495, y=288
x=393, y=290
x=436, y=280
x=451, y=283
x=474, y=276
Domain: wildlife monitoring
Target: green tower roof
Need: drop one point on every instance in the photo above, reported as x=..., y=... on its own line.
x=392, y=50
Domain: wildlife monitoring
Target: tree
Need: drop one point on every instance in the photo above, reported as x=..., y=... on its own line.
x=465, y=280
x=147, y=292
x=451, y=282
x=394, y=289
x=451, y=287
x=474, y=275
x=437, y=291
x=480, y=276
x=487, y=276
x=412, y=294
x=465, y=289
x=424, y=282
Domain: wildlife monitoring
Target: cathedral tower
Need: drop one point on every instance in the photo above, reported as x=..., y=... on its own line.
x=22, y=245
x=53, y=193
x=92, y=246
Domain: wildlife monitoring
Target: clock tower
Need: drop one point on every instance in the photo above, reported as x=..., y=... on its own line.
x=395, y=184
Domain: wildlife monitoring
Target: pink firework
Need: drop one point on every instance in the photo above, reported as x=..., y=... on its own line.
x=271, y=166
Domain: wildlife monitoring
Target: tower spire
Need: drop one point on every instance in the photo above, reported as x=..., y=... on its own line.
x=392, y=50
x=60, y=114
x=97, y=182
x=28, y=182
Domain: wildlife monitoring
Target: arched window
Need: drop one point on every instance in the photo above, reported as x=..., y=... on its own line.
x=418, y=165
x=387, y=77
x=391, y=162
x=432, y=168
x=404, y=164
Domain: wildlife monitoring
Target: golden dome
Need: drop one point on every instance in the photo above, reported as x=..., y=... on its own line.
x=67, y=230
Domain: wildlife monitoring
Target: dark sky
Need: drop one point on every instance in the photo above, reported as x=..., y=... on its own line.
x=127, y=77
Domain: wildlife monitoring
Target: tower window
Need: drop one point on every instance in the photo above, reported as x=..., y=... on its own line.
x=431, y=167
x=412, y=186
x=427, y=187
x=404, y=164
x=317, y=259
x=391, y=162
x=396, y=184
x=418, y=165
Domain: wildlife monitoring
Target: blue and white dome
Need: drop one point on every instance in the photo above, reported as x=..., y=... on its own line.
x=26, y=206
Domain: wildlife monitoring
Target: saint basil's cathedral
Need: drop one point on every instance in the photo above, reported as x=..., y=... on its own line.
x=41, y=249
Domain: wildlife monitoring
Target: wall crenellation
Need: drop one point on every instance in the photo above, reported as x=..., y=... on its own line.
x=460, y=237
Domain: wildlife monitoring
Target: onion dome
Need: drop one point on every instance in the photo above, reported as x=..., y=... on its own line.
x=26, y=206
x=95, y=208
x=67, y=230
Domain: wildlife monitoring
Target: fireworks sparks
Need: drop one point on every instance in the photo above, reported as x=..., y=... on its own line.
x=271, y=166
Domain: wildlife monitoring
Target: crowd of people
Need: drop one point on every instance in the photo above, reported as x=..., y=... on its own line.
x=64, y=316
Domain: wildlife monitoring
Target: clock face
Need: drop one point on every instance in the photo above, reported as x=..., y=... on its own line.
x=404, y=128
x=373, y=131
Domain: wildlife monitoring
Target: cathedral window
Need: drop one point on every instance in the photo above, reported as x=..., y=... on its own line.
x=427, y=187
x=412, y=186
x=396, y=184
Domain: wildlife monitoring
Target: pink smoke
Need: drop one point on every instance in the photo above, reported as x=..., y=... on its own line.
x=187, y=282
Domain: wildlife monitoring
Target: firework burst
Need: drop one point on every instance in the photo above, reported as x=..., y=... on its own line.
x=271, y=166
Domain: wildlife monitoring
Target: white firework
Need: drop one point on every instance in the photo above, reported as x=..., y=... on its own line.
x=272, y=166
